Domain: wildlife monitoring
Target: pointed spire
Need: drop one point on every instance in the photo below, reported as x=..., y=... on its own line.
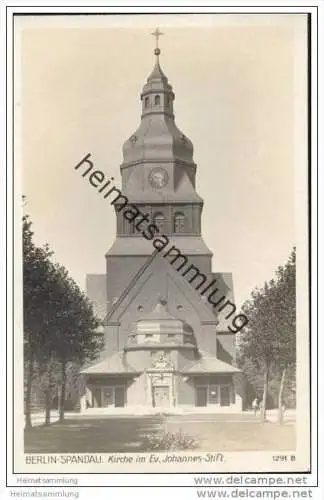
x=157, y=136
x=157, y=73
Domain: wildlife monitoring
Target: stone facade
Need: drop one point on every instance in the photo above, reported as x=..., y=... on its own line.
x=165, y=346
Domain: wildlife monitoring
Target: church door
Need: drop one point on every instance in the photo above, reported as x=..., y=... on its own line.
x=161, y=396
x=201, y=396
x=225, y=395
x=119, y=397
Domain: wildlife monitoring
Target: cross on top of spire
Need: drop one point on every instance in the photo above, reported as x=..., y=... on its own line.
x=157, y=33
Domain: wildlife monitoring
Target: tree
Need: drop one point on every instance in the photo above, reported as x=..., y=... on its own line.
x=74, y=338
x=268, y=341
x=36, y=271
x=286, y=284
x=59, y=324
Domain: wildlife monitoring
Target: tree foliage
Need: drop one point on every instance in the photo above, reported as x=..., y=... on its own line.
x=267, y=345
x=59, y=323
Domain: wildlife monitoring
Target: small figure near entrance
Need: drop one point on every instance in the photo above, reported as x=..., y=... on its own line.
x=255, y=405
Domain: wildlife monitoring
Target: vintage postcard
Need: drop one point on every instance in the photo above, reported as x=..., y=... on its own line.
x=162, y=260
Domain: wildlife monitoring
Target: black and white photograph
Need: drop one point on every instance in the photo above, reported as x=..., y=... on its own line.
x=161, y=207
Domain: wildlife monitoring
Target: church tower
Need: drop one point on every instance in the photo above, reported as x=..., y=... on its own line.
x=159, y=177
x=165, y=345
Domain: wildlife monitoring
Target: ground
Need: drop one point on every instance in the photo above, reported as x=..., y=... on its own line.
x=107, y=434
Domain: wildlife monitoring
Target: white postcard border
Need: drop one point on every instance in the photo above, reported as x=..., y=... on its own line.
x=176, y=479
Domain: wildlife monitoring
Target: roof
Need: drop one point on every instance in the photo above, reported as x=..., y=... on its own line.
x=157, y=138
x=225, y=286
x=209, y=364
x=115, y=364
x=189, y=245
x=154, y=261
x=157, y=73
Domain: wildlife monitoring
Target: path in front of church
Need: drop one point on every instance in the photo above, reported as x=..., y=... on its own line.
x=247, y=416
x=123, y=433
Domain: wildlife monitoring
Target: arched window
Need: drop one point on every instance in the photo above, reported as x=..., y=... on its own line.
x=179, y=223
x=146, y=102
x=158, y=220
x=157, y=100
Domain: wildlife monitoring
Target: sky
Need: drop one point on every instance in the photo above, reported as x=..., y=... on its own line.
x=236, y=80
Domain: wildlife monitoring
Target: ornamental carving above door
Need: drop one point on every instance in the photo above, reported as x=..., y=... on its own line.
x=161, y=359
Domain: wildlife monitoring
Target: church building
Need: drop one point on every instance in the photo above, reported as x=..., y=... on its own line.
x=166, y=347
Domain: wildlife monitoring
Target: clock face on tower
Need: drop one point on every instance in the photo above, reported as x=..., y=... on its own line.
x=158, y=177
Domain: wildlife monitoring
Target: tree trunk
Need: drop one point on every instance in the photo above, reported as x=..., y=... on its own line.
x=282, y=384
x=48, y=405
x=45, y=372
x=63, y=391
x=265, y=394
x=28, y=422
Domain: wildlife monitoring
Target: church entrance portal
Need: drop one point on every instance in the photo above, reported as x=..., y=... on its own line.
x=161, y=396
